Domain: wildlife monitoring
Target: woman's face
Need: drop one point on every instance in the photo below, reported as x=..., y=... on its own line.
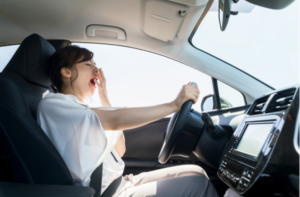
x=84, y=85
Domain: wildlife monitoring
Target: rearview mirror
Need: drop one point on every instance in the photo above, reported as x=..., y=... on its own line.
x=224, y=13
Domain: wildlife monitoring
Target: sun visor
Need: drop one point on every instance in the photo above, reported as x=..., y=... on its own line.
x=191, y=2
x=162, y=19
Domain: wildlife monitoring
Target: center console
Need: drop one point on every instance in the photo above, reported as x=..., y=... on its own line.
x=247, y=153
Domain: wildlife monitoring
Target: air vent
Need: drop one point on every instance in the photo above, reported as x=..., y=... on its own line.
x=281, y=101
x=259, y=105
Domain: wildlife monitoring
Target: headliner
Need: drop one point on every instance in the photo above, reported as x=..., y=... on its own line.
x=68, y=19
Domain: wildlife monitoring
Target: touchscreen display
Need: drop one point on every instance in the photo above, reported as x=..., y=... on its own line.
x=254, y=138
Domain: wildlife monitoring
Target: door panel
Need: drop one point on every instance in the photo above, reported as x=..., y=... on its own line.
x=143, y=144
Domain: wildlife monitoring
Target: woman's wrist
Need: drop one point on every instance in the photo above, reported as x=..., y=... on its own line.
x=174, y=106
x=104, y=99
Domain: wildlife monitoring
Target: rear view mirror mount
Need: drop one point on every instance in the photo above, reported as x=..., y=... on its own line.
x=225, y=12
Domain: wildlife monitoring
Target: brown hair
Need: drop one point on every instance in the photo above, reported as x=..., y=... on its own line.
x=66, y=57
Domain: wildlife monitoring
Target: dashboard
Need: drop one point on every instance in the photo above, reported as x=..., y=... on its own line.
x=265, y=145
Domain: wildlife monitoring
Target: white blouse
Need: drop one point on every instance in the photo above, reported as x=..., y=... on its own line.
x=77, y=133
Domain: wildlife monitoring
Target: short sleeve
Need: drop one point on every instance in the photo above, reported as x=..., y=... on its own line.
x=77, y=134
x=112, y=136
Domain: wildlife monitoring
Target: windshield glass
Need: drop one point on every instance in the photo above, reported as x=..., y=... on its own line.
x=259, y=41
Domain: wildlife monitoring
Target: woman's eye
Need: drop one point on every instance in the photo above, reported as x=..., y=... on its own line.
x=88, y=64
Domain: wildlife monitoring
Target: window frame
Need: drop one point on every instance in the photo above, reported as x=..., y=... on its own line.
x=8, y=45
x=71, y=43
x=217, y=102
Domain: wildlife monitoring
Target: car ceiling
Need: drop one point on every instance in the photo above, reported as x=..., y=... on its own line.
x=68, y=19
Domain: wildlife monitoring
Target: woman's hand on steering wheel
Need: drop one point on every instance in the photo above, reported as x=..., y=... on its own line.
x=187, y=92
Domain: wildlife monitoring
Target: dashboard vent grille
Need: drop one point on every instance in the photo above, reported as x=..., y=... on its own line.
x=259, y=105
x=281, y=101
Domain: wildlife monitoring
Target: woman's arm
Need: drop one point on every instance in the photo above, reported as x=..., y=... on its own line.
x=120, y=146
x=129, y=118
x=103, y=95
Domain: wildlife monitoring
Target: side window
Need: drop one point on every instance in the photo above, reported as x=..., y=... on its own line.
x=6, y=53
x=139, y=78
x=230, y=97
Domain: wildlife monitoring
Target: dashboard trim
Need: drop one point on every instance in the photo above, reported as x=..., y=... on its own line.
x=296, y=135
x=269, y=172
x=252, y=164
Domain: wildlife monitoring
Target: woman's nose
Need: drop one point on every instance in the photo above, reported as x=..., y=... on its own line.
x=96, y=71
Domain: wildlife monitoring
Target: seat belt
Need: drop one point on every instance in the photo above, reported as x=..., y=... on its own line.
x=96, y=180
x=112, y=188
x=96, y=183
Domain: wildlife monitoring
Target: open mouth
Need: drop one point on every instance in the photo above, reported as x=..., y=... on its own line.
x=93, y=82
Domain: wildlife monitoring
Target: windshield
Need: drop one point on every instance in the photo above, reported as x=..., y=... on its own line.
x=259, y=41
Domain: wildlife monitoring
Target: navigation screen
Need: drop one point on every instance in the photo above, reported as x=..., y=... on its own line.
x=254, y=138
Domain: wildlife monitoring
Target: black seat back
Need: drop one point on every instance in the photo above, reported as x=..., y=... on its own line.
x=23, y=82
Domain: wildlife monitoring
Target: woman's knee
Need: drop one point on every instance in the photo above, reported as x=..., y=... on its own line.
x=187, y=170
x=195, y=185
x=196, y=168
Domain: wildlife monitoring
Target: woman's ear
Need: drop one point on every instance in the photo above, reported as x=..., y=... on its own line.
x=65, y=72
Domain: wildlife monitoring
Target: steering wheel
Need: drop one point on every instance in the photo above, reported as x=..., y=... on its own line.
x=175, y=126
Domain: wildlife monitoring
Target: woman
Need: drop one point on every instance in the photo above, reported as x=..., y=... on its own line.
x=85, y=137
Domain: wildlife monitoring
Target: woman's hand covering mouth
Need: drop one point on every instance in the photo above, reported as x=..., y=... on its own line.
x=102, y=89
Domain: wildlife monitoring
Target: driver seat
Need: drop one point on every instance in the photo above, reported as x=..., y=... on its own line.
x=23, y=83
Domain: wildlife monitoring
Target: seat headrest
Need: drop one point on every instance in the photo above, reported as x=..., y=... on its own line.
x=31, y=59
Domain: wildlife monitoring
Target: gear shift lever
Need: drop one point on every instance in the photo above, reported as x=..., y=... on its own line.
x=213, y=130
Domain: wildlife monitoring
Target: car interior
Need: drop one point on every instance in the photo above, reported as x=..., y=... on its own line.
x=251, y=148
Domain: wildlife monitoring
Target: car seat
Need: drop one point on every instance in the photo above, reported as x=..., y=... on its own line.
x=23, y=83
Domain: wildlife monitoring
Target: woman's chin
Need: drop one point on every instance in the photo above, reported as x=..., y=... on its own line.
x=93, y=91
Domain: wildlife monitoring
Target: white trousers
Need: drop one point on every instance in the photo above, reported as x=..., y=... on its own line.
x=179, y=181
